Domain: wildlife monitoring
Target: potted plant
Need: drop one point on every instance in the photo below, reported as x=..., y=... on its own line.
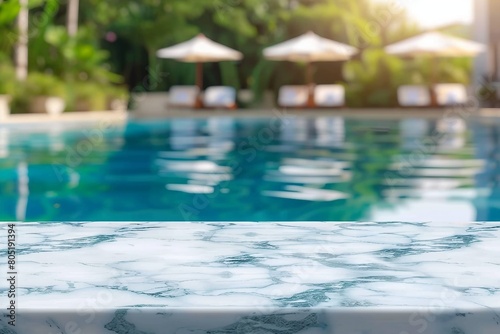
x=46, y=94
x=7, y=88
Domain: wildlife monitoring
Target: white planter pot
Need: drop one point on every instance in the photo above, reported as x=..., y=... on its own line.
x=4, y=106
x=51, y=105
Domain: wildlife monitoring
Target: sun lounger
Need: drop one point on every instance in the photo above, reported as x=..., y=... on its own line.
x=450, y=94
x=293, y=96
x=329, y=96
x=183, y=96
x=414, y=96
x=220, y=97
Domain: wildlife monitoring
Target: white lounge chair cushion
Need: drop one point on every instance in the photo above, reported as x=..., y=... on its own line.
x=293, y=96
x=450, y=94
x=329, y=95
x=414, y=96
x=219, y=96
x=183, y=96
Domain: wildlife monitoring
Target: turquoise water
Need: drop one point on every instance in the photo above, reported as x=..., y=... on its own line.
x=280, y=169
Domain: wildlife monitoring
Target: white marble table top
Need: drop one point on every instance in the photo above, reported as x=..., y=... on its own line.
x=256, y=265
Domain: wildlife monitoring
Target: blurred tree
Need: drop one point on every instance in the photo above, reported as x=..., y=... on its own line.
x=72, y=17
x=367, y=77
x=147, y=25
x=21, y=50
x=9, y=11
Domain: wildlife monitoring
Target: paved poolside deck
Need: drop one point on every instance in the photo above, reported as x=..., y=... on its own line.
x=123, y=116
x=374, y=113
x=70, y=117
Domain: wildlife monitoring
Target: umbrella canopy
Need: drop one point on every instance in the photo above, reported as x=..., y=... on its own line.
x=199, y=49
x=435, y=44
x=309, y=48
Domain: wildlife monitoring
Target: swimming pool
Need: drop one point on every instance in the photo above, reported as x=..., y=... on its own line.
x=252, y=169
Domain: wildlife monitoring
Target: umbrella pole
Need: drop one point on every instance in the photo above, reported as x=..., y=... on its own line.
x=433, y=81
x=434, y=71
x=310, y=85
x=199, y=84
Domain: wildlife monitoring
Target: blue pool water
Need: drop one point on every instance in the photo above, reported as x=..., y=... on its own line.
x=280, y=169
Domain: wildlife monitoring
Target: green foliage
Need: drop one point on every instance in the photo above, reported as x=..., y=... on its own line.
x=373, y=79
x=41, y=84
x=86, y=96
x=42, y=15
x=116, y=92
x=320, y=19
x=261, y=75
x=8, y=14
x=7, y=77
x=75, y=58
x=8, y=11
x=148, y=24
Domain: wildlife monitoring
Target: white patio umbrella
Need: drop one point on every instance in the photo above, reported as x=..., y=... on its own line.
x=309, y=48
x=199, y=50
x=434, y=45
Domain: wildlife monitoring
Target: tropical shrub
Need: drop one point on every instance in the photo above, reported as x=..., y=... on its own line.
x=373, y=79
x=86, y=96
x=41, y=84
x=7, y=78
x=37, y=85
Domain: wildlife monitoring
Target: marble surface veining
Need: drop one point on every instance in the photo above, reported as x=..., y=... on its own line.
x=138, y=278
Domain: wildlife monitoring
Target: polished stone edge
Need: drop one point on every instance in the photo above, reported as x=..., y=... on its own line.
x=157, y=320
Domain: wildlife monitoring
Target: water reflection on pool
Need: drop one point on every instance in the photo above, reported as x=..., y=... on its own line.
x=280, y=169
